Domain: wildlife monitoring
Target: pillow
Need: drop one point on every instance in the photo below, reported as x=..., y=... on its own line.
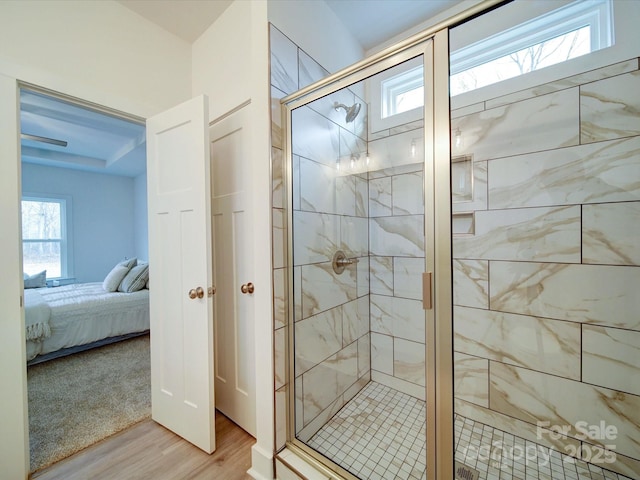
x=114, y=277
x=117, y=273
x=38, y=280
x=135, y=280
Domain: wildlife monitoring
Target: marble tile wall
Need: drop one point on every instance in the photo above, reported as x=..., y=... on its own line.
x=546, y=304
x=396, y=242
x=331, y=324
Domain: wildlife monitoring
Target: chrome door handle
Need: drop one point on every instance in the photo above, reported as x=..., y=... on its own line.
x=247, y=288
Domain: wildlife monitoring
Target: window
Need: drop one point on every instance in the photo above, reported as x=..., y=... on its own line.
x=44, y=236
x=402, y=92
x=568, y=32
x=577, y=29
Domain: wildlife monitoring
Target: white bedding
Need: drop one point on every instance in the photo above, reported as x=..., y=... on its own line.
x=85, y=313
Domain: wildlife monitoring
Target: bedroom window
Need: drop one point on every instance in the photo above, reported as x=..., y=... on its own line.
x=44, y=235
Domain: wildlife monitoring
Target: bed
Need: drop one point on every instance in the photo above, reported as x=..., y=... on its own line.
x=63, y=320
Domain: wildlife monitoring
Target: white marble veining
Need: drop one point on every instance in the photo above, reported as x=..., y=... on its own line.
x=611, y=233
x=325, y=382
x=595, y=294
x=471, y=283
x=297, y=293
x=281, y=417
x=315, y=137
x=400, y=169
x=354, y=236
x=364, y=356
x=397, y=236
x=542, y=344
x=471, y=379
x=309, y=71
x=382, y=353
x=610, y=108
x=380, y=199
x=345, y=194
x=279, y=349
x=407, y=275
x=534, y=397
x=323, y=289
x=514, y=426
x=408, y=197
x=316, y=338
x=409, y=360
x=362, y=272
x=276, y=118
x=599, y=172
x=355, y=320
x=277, y=176
x=318, y=187
x=400, y=317
x=316, y=237
x=466, y=110
x=541, y=123
x=381, y=275
x=611, y=358
x=575, y=80
x=362, y=197
x=550, y=234
x=284, y=61
x=351, y=144
x=295, y=173
x=279, y=298
x=279, y=229
x=396, y=150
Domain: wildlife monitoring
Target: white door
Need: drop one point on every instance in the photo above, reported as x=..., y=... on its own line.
x=182, y=390
x=233, y=270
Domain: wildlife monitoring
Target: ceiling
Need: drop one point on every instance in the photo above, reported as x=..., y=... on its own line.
x=99, y=142
x=96, y=142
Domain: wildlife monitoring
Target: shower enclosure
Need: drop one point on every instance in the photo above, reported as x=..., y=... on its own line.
x=462, y=269
x=359, y=252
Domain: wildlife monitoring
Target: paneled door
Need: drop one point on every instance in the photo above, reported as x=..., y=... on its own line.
x=178, y=175
x=233, y=269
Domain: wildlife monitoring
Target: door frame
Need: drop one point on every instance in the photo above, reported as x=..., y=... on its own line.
x=14, y=455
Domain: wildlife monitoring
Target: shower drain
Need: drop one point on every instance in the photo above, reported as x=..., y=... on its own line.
x=465, y=473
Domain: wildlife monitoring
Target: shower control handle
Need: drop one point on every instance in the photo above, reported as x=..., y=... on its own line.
x=340, y=261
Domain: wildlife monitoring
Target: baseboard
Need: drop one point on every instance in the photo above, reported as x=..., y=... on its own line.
x=261, y=464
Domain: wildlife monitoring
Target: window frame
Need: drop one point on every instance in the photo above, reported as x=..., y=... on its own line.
x=65, y=240
x=599, y=14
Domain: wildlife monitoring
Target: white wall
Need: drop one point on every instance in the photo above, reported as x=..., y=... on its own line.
x=230, y=66
x=316, y=29
x=98, y=51
x=221, y=60
x=102, y=215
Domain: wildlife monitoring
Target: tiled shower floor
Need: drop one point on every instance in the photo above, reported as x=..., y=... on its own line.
x=380, y=434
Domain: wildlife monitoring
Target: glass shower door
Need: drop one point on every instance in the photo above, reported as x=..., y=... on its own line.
x=357, y=254
x=545, y=205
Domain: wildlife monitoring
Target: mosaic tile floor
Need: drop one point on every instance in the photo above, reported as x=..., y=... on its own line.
x=380, y=435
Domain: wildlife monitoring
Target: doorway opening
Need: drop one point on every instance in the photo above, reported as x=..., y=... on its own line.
x=85, y=263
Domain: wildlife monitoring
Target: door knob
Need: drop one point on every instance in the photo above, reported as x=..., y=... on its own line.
x=196, y=293
x=247, y=288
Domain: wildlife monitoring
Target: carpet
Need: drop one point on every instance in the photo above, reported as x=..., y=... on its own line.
x=78, y=400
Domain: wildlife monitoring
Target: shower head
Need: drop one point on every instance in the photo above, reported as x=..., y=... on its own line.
x=352, y=111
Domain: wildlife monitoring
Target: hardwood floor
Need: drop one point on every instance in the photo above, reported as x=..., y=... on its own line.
x=149, y=451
